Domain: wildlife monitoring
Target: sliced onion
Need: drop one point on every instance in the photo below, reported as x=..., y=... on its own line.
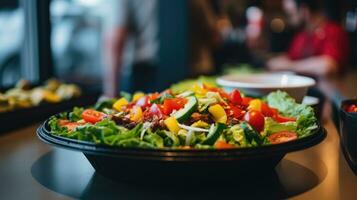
x=189, y=137
x=190, y=128
x=146, y=126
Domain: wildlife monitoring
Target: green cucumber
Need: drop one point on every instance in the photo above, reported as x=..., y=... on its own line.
x=190, y=107
x=214, y=134
x=251, y=134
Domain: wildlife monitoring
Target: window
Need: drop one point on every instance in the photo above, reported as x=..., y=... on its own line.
x=76, y=28
x=11, y=40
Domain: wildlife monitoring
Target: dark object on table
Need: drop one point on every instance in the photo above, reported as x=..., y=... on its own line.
x=193, y=166
x=348, y=132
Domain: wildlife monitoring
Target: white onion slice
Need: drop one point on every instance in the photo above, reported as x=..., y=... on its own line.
x=190, y=128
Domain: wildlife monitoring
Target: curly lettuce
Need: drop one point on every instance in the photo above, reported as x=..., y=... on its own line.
x=287, y=106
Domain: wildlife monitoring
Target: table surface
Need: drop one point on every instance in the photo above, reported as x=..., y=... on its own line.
x=30, y=169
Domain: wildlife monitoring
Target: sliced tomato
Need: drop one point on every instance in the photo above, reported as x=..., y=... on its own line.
x=268, y=111
x=235, y=97
x=68, y=124
x=143, y=102
x=170, y=105
x=255, y=119
x=223, y=145
x=282, y=119
x=246, y=100
x=281, y=137
x=93, y=116
x=154, y=96
x=235, y=112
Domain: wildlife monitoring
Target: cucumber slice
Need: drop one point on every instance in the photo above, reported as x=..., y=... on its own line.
x=190, y=107
x=214, y=134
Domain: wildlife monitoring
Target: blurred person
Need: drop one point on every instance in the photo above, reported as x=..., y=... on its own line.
x=204, y=36
x=319, y=48
x=131, y=46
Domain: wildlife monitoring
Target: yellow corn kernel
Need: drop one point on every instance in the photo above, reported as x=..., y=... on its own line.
x=138, y=95
x=172, y=124
x=136, y=113
x=218, y=113
x=120, y=103
x=255, y=104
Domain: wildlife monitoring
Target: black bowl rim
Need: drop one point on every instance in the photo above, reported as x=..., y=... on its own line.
x=175, y=153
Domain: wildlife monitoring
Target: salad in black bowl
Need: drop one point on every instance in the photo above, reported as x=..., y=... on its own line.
x=202, y=130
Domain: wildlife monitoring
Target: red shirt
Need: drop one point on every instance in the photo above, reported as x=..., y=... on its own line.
x=329, y=39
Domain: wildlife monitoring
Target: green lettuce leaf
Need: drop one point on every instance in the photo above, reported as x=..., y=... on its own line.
x=287, y=106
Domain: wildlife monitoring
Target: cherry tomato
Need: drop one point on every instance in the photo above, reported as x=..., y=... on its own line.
x=246, y=100
x=282, y=119
x=170, y=105
x=143, y=102
x=255, y=119
x=351, y=108
x=281, y=137
x=235, y=97
x=223, y=145
x=92, y=116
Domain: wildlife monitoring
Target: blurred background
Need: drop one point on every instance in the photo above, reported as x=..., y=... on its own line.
x=112, y=45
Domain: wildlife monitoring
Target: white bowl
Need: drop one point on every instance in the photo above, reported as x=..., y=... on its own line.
x=262, y=84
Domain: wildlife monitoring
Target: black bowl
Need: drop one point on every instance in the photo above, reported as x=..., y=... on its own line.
x=150, y=166
x=348, y=132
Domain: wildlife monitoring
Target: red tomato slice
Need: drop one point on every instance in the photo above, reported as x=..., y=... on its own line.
x=267, y=111
x=143, y=102
x=93, y=116
x=246, y=100
x=223, y=145
x=255, y=119
x=235, y=112
x=282, y=119
x=170, y=105
x=154, y=96
x=281, y=137
x=235, y=97
x=68, y=124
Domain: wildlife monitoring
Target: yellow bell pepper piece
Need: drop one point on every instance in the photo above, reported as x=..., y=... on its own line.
x=120, y=103
x=198, y=90
x=136, y=113
x=138, y=95
x=255, y=104
x=200, y=124
x=172, y=124
x=218, y=113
